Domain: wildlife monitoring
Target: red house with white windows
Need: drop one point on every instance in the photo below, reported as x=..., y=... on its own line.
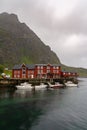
x=36, y=71
x=68, y=74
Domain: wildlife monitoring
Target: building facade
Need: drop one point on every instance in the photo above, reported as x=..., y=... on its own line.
x=66, y=74
x=36, y=71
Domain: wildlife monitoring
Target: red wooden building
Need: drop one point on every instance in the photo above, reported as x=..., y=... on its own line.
x=36, y=71
x=66, y=74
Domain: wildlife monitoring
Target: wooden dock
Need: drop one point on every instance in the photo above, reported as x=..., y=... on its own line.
x=12, y=82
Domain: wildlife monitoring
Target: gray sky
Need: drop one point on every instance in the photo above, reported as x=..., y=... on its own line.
x=61, y=24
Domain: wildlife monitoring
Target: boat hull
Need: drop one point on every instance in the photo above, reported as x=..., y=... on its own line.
x=56, y=85
x=24, y=86
x=70, y=84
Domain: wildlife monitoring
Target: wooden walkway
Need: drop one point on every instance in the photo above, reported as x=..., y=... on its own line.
x=13, y=81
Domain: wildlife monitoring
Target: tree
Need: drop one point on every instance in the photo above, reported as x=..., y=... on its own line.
x=1, y=68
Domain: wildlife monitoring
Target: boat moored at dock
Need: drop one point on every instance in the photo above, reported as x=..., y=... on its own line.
x=24, y=85
x=41, y=86
x=70, y=84
x=56, y=85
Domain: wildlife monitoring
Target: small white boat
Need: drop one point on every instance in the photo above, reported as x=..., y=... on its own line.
x=70, y=84
x=24, y=86
x=41, y=86
x=25, y=83
x=56, y=85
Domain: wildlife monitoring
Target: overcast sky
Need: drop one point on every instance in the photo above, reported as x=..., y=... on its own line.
x=61, y=24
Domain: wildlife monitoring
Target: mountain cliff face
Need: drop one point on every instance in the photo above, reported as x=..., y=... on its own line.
x=19, y=44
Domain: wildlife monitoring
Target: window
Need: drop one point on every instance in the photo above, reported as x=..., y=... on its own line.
x=14, y=76
x=48, y=67
x=54, y=71
x=57, y=67
x=54, y=67
x=23, y=72
x=48, y=71
x=18, y=76
x=38, y=67
x=24, y=68
x=41, y=67
x=39, y=71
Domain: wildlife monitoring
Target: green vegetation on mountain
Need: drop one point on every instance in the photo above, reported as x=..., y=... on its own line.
x=1, y=69
x=19, y=44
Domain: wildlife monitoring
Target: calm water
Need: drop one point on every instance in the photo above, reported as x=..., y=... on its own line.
x=60, y=109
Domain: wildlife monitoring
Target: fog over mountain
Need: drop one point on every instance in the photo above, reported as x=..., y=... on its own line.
x=59, y=24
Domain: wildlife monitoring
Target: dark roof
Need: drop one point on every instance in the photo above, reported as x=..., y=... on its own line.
x=28, y=66
x=17, y=67
x=40, y=64
x=32, y=66
x=55, y=65
x=47, y=64
x=64, y=71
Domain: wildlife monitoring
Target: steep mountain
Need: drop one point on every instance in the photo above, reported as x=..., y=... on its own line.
x=19, y=44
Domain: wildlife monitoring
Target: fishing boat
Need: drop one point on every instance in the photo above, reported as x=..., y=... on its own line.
x=24, y=85
x=41, y=86
x=56, y=85
x=70, y=84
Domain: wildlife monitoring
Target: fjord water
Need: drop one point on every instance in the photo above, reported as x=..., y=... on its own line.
x=59, y=109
